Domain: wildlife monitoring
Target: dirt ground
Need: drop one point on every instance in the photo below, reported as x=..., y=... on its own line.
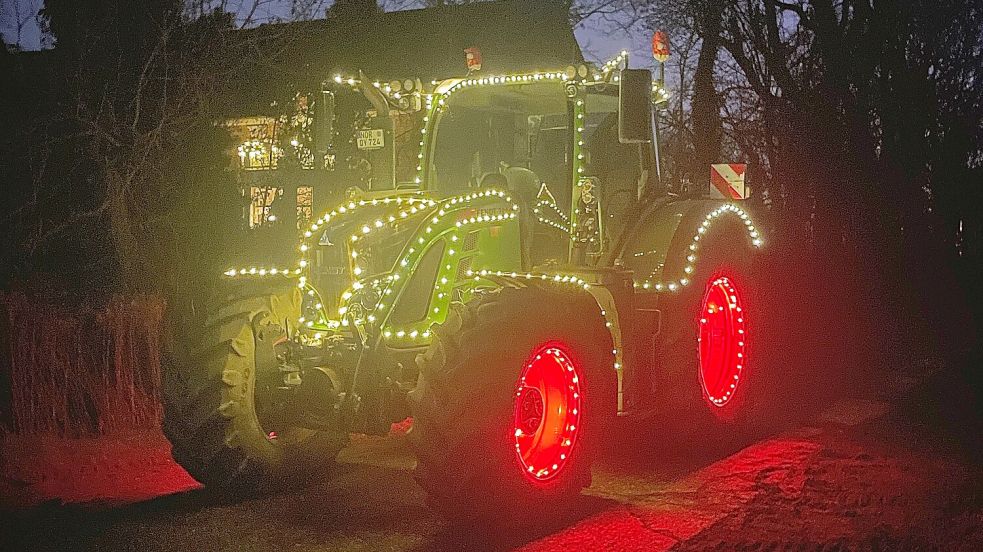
x=861, y=476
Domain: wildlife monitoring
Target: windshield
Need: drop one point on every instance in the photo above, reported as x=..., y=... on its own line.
x=489, y=128
x=485, y=130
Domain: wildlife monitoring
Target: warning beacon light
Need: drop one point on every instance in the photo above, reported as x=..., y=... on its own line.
x=660, y=46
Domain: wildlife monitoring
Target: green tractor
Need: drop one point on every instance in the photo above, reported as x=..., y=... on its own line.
x=532, y=283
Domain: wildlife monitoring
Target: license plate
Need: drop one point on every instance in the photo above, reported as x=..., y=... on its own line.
x=371, y=139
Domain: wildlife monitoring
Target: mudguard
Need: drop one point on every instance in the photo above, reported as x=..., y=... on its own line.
x=664, y=247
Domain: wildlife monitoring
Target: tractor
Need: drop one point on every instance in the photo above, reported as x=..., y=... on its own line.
x=531, y=283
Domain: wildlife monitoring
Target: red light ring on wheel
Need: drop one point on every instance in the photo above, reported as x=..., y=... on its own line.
x=547, y=413
x=722, y=341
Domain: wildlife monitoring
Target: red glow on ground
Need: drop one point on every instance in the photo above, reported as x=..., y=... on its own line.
x=111, y=469
x=547, y=412
x=401, y=428
x=681, y=509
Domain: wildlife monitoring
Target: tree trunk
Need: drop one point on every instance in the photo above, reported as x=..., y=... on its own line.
x=124, y=241
x=707, y=127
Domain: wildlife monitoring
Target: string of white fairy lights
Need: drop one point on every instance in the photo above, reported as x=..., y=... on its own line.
x=408, y=204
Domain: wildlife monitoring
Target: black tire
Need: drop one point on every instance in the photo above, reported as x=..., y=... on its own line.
x=724, y=251
x=210, y=407
x=463, y=405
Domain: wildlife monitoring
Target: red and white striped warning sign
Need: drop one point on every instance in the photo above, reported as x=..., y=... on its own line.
x=727, y=181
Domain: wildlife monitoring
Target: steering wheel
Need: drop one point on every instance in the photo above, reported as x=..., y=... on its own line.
x=493, y=180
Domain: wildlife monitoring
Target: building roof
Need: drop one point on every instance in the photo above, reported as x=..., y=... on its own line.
x=513, y=36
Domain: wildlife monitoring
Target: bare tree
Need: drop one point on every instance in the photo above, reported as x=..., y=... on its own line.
x=124, y=139
x=21, y=29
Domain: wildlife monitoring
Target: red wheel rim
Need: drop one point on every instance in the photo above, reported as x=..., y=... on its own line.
x=723, y=341
x=547, y=412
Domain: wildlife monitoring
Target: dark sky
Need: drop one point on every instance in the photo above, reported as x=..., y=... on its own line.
x=601, y=36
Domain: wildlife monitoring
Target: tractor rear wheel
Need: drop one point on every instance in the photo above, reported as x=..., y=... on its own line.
x=216, y=397
x=514, y=395
x=713, y=377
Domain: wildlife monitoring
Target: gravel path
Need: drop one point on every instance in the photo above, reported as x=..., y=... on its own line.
x=833, y=485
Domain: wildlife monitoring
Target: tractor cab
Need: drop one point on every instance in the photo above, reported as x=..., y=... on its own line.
x=553, y=142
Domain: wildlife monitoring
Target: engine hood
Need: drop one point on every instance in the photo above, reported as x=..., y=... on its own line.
x=355, y=245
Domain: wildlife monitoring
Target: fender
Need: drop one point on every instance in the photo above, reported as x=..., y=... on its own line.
x=599, y=285
x=663, y=248
x=661, y=254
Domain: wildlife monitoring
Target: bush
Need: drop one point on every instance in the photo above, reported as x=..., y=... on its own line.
x=80, y=373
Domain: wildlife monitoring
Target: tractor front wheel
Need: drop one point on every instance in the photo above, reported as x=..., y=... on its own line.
x=218, y=412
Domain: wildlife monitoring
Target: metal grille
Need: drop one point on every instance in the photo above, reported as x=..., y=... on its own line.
x=471, y=241
x=463, y=267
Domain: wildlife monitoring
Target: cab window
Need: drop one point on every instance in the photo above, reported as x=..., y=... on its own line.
x=488, y=128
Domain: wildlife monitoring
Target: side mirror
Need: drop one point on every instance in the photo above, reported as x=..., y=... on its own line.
x=635, y=106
